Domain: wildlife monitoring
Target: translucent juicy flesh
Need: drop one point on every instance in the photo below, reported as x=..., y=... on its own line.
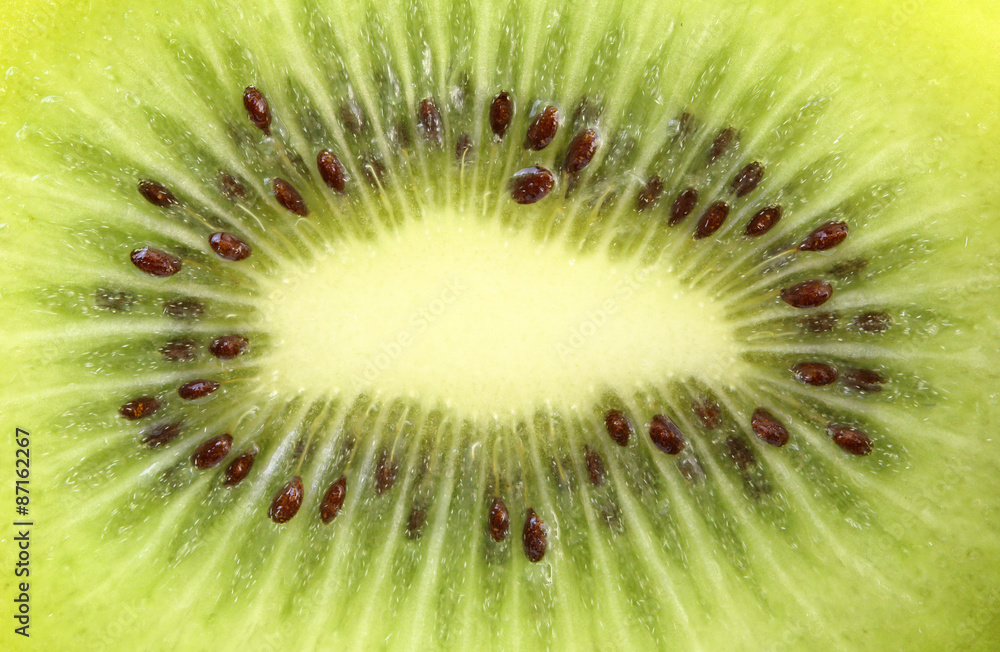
x=790, y=546
x=461, y=312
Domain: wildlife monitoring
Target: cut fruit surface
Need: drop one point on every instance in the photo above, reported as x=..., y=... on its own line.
x=537, y=325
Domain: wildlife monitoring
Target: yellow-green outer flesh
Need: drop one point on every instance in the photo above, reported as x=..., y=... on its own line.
x=939, y=64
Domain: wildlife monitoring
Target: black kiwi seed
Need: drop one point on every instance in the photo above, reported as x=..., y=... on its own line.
x=618, y=425
x=581, y=151
x=721, y=143
x=666, y=435
x=708, y=412
x=852, y=440
x=429, y=121
x=195, y=389
x=816, y=374
x=463, y=147
x=333, y=500
x=385, y=474
x=533, y=537
x=863, y=380
x=155, y=262
x=161, y=434
x=498, y=521
x=228, y=347
x=683, y=205
x=258, y=109
x=767, y=426
x=595, y=466
x=179, y=350
x=157, y=194
x=713, y=219
x=231, y=187
x=289, y=197
x=542, y=129
x=415, y=522
x=228, y=246
x=183, y=308
x=332, y=170
x=747, y=179
x=287, y=501
x=740, y=453
x=531, y=184
x=808, y=294
x=139, y=408
x=649, y=193
x=763, y=221
x=501, y=112
x=872, y=322
x=825, y=237
x=239, y=468
x=212, y=451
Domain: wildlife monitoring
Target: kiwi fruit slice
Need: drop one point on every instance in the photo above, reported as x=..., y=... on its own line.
x=442, y=324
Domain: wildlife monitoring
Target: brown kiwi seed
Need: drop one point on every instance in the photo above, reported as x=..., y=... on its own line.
x=333, y=500
x=212, y=451
x=534, y=537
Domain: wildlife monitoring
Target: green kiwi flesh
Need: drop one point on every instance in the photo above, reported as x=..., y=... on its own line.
x=446, y=325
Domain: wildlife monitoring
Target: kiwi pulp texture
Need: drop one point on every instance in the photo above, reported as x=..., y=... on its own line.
x=353, y=350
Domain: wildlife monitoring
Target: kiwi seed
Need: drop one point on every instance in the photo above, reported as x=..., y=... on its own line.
x=747, y=179
x=808, y=294
x=534, y=537
x=531, y=184
x=333, y=500
x=258, y=109
x=852, y=440
x=815, y=373
x=157, y=194
x=429, y=122
x=825, y=237
x=501, y=113
x=721, y=144
x=595, y=466
x=863, y=380
x=666, y=435
x=581, y=151
x=161, y=434
x=769, y=428
x=212, y=451
x=239, y=468
x=649, y=193
x=155, y=262
x=287, y=501
x=498, y=520
x=288, y=197
x=228, y=246
x=195, y=389
x=873, y=322
x=543, y=129
x=139, y=408
x=228, y=347
x=619, y=427
x=684, y=204
x=713, y=219
x=763, y=221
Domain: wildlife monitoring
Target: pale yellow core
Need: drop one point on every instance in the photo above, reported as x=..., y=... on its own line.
x=468, y=314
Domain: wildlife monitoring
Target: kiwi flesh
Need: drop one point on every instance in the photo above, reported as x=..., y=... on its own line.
x=435, y=324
